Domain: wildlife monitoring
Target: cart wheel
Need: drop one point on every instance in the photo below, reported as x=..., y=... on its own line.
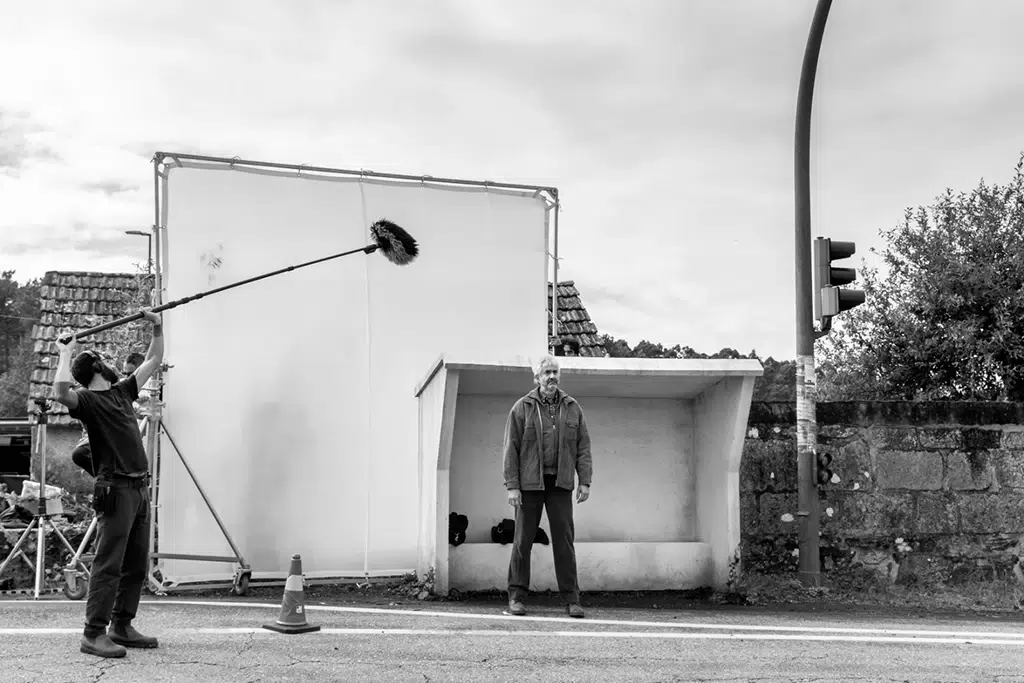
x=241, y=585
x=75, y=587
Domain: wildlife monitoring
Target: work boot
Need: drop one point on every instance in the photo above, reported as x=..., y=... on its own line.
x=127, y=635
x=517, y=608
x=574, y=610
x=101, y=646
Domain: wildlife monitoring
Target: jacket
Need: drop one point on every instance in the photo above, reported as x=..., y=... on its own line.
x=523, y=463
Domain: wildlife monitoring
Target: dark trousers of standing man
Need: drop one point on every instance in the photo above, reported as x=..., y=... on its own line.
x=122, y=551
x=558, y=503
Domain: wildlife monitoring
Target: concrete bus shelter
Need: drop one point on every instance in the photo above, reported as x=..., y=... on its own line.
x=667, y=436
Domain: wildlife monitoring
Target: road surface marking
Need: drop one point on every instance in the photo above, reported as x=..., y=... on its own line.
x=1019, y=634
x=505, y=633
x=603, y=622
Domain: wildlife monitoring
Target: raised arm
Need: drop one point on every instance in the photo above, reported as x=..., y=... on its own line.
x=155, y=354
x=62, y=390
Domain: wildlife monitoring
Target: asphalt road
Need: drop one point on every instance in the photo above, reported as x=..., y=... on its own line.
x=223, y=640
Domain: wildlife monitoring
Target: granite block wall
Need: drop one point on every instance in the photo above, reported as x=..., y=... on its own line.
x=921, y=490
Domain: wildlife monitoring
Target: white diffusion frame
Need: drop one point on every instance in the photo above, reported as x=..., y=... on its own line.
x=292, y=397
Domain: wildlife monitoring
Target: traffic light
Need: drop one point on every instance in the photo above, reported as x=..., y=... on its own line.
x=822, y=468
x=829, y=298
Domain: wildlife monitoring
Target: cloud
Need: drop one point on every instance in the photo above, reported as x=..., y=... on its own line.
x=666, y=126
x=109, y=187
x=85, y=238
x=22, y=143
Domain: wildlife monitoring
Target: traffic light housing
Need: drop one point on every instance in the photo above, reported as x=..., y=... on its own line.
x=822, y=468
x=829, y=298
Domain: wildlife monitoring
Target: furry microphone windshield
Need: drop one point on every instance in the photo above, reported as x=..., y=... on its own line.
x=394, y=243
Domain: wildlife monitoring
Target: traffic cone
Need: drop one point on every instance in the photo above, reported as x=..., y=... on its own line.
x=293, y=613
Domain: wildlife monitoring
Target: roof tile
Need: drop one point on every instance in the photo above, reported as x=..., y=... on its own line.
x=75, y=300
x=573, y=319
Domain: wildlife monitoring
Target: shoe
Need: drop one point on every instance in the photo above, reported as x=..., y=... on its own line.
x=517, y=608
x=101, y=646
x=574, y=610
x=129, y=637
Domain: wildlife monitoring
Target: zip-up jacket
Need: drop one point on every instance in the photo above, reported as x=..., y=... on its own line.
x=523, y=461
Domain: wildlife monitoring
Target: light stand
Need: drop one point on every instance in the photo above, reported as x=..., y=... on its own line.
x=41, y=520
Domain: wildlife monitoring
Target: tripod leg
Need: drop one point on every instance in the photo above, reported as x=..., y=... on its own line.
x=63, y=538
x=74, y=587
x=17, y=546
x=77, y=554
x=43, y=520
x=20, y=553
x=25, y=558
x=40, y=555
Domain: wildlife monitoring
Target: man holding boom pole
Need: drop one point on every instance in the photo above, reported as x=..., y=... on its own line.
x=121, y=494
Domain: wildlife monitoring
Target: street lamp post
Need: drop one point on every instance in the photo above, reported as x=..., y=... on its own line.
x=149, y=249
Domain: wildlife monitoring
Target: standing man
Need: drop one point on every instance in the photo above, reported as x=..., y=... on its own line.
x=121, y=493
x=546, y=445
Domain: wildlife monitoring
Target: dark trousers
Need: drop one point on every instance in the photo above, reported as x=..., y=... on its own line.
x=558, y=503
x=122, y=551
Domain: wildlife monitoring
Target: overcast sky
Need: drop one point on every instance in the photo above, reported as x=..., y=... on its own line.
x=666, y=125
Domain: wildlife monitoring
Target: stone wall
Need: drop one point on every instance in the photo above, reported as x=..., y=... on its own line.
x=924, y=490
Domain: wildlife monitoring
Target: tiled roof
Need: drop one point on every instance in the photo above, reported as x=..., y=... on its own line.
x=73, y=301
x=573, y=320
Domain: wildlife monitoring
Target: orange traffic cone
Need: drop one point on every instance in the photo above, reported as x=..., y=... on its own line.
x=293, y=614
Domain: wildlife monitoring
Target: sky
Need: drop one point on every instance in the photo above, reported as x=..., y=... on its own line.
x=666, y=125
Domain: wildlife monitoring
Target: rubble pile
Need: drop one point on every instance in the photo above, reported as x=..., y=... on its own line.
x=413, y=587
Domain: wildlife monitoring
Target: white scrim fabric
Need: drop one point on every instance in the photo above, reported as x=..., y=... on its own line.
x=271, y=382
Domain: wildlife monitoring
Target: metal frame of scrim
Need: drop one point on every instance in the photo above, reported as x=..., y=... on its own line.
x=162, y=162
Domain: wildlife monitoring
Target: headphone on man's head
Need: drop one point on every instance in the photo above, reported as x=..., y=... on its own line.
x=97, y=361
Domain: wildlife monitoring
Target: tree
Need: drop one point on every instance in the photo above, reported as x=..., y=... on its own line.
x=777, y=384
x=616, y=348
x=14, y=383
x=946, y=321
x=620, y=348
x=22, y=306
x=19, y=311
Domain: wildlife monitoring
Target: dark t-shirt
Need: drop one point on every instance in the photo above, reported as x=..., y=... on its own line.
x=114, y=437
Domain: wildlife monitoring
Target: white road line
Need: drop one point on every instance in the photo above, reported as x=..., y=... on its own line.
x=814, y=628
x=623, y=622
x=504, y=633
